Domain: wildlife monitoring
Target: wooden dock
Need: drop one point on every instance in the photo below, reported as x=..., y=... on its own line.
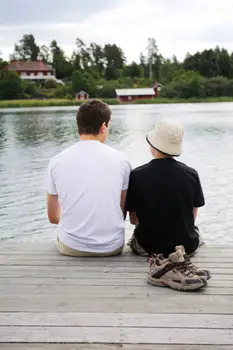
x=52, y=302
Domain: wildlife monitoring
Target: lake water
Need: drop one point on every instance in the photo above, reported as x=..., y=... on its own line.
x=29, y=138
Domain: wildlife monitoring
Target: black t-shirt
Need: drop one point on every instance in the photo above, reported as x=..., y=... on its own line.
x=163, y=194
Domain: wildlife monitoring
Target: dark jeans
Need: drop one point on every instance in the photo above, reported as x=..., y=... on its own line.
x=166, y=250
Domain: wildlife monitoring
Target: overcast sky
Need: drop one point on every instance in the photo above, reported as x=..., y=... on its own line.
x=178, y=26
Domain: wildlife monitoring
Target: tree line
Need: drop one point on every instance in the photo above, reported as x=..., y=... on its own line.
x=100, y=69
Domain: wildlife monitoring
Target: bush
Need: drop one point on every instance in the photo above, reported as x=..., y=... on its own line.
x=50, y=84
x=11, y=86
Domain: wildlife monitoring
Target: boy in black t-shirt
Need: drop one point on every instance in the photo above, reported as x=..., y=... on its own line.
x=164, y=196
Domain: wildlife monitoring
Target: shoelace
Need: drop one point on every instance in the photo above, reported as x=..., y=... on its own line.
x=183, y=268
x=191, y=266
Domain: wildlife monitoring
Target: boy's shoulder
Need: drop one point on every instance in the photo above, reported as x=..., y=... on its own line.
x=140, y=169
x=187, y=168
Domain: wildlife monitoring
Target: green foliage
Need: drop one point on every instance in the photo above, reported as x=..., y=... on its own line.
x=11, y=86
x=107, y=89
x=78, y=82
x=132, y=70
x=62, y=66
x=99, y=70
x=27, y=48
x=48, y=103
x=198, y=86
x=50, y=84
x=29, y=88
x=210, y=63
x=114, y=61
x=83, y=81
x=163, y=100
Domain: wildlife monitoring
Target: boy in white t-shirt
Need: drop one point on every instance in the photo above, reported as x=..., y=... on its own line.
x=86, y=188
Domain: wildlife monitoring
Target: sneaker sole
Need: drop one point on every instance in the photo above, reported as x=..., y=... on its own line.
x=164, y=283
x=207, y=275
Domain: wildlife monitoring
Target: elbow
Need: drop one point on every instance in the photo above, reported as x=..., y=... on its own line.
x=133, y=218
x=132, y=221
x=53, y=220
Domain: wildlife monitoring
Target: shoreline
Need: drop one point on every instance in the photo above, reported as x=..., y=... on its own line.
x=110, y=101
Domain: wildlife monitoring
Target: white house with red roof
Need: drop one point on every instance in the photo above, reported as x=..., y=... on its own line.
x=33, y=70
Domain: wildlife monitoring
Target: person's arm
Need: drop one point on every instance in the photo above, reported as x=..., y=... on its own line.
x=198, y=200
x=125, y=185
x=195, y=211
x=53, y=208
x=133, y=218
x=123, y=202
x=132, y=200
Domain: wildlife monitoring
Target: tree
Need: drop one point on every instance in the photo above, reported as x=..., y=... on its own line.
x=170, y=69
x=132, y=70
x=45, y=54
x=2, y=62
x=115, y=59
x=84, y=54
x=27, y=49
x=210, y=63
x=83, y=81
x=11, y=86
x=143, y=65
x=62, y=66
x=98, y=59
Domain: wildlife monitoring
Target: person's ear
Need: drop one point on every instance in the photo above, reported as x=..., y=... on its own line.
x=103, y=128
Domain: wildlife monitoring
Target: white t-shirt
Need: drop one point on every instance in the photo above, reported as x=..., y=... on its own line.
x=88, y=178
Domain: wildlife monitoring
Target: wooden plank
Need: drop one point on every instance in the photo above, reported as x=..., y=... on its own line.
x=143, y=320
x=168, y=302
x=51, y=246
x=111, y=260
x=98, y=269
x=47, y=245
x=111, y=347
x=100, y=263
x=116, y=335
x=93, y=280
x=124, y=257
x=100, y=292
x=78, y=275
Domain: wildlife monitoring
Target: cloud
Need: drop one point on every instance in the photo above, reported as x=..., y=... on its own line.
x=179, y=26
x=46, y=11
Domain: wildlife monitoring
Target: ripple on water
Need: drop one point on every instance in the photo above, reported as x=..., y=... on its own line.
x=29, y=140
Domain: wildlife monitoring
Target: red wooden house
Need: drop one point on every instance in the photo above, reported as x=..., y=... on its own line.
x=126, y=95
x=32, y=70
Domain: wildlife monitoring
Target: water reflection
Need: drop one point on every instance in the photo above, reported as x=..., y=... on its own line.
x=3, y=136
x=29, y=139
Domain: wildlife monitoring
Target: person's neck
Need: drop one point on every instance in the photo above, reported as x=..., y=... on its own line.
x=162, y=156
x=89, y=137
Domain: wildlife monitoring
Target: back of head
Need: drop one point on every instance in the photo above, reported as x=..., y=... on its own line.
x=166, y=137
x=91, y=115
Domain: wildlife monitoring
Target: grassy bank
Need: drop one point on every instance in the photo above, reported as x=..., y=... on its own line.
x=48, y=103
x=110, y=101
x=183, y=100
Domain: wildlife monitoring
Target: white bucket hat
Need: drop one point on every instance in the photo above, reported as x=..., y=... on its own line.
x=166, y=137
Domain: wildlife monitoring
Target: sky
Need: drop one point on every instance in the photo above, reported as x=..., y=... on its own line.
x=178, y=26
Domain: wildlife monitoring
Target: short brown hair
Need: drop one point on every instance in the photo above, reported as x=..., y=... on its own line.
x=91, y=115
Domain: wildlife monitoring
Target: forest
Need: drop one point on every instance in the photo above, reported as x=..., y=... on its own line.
x=100, y=69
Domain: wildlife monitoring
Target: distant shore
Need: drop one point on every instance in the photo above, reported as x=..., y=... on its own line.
x=110, y=101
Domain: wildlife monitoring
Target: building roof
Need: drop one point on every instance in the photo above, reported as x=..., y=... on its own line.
x=82, y=92
x=29, y=66
x=135, y=92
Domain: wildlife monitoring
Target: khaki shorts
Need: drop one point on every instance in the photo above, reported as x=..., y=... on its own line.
x=64, y=250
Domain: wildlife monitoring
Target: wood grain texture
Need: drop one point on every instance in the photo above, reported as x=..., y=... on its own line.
x=46, y=298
